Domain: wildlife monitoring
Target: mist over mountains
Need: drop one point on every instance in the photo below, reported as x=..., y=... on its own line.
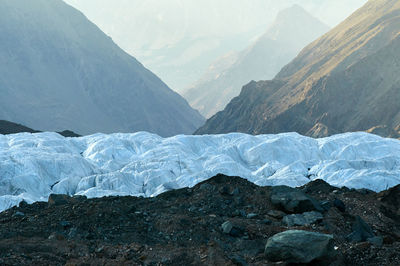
x=59, y=71
x=292, y=30
x=345, y=81
x=179, y=39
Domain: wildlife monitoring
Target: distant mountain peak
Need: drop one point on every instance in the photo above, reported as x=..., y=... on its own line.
x=294, y=13
x=261, y=60
x=294, y=20
x=347, y=80
x=291, y=11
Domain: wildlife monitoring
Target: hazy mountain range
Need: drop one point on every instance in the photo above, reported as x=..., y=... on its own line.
x=292, y=30
x=60, y=71
x=179, y=39
x=347, y=80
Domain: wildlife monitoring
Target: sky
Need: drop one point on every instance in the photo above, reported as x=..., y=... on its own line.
x=178, y=39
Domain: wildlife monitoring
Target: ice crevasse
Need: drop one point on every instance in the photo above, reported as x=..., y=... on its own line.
x=32, y=166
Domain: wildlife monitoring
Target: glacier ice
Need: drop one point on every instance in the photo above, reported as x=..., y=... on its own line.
x=32, y=166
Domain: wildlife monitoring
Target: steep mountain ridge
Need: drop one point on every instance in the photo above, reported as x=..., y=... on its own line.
x=292, y=30
x=7, y=128
x=344, y=81
x=60, y=71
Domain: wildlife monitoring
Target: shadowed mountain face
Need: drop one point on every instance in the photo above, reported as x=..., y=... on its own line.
x=60, y=71
x=345, y=81
x=7, y=128
x=293, y=29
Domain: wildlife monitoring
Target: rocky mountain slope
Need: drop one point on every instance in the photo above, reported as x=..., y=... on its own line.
x=60, y=71
x=32, y=166
x=7, y=128
x=347, y=80
x=222, y=221
x=293, y=29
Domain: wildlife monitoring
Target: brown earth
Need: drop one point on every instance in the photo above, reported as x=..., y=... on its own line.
x=183, y=227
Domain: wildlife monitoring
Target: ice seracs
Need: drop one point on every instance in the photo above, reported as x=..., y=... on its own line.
x=32, y=166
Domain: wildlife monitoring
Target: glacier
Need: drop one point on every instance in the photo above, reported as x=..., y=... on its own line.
x=32, y=166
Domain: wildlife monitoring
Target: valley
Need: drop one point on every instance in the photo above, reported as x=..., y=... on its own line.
x=193, y=132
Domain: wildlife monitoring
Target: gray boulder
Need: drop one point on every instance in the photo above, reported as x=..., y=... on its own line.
x=306, y=218
x=276, y=214
x=361, y=231
x=376, y=241
x=18, y=214
x=339, y=205
x=232, y=230
x=293, y=200
x=296, y=246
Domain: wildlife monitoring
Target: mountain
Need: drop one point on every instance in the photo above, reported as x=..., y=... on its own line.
x=293, y=29
x=60, y=71
x=179, y=39
x=7, y=128
x=347, y=80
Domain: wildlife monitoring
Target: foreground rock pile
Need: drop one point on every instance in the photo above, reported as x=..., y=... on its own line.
x=222, y=221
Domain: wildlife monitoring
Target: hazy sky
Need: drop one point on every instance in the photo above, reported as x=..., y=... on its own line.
x=171, y=36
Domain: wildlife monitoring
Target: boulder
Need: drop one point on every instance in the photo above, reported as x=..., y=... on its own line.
x=276, y=214
x=326, y=205
x=339, y=205
x=391, y=202
x=306, y=218
x=252, y=215
x=376, y=241
x=391, y=196
x=18, y=214
x=58, y=199
x=229, y=229
x=293, y=200
x=62, y=199
x=23, y=204
x=361, y=231
x=318, y=185
x=297, y=246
